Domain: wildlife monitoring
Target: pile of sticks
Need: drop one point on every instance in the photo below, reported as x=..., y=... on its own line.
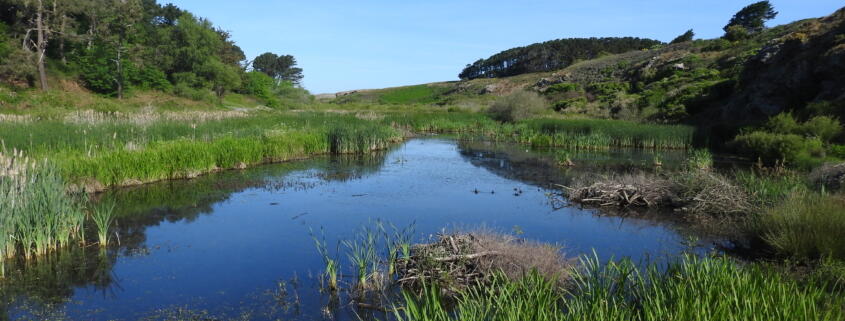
x=620, y=195
x=453, y=260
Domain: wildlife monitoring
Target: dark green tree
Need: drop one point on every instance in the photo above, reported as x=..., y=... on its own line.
x=686, y=36
x=753, y=17
x=281, y=68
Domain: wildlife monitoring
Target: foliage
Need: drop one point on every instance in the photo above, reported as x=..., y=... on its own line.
x=806, y=226
x=771, y=147
x=517, y=106
x=281, y=68
x=736, y=33
x=686, y=36
x=753, y=17
x=550, y=55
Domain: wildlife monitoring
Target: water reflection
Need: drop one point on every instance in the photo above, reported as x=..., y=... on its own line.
x=236, y=242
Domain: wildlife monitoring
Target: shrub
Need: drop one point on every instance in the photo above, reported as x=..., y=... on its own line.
x=518, y=105
x=608, y=88
x=806, y=226
x=771, y=147
x=736, y=33
x=568, y=103
x=151, y=78
x=258, y=84
x=823, y=127
x=563, y=87
x=783, y=123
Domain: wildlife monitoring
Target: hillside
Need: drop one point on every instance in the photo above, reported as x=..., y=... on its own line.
x=794, y=67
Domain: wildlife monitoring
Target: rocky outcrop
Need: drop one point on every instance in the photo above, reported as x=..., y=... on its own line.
x=801, y=67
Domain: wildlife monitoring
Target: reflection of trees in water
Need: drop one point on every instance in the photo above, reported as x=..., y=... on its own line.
x=539, y=167
x=51, y=280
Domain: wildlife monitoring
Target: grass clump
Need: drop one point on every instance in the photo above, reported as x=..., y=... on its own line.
x=806, y=226
x=103, y=217
x=419, y=94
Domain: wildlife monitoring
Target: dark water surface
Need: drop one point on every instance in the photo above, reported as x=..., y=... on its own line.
x=236, y=244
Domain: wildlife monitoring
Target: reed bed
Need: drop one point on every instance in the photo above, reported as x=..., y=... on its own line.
x=580, y=134
x=37, y=215
x=692, y=288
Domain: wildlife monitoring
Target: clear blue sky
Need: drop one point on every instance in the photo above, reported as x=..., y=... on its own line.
x=343, y=45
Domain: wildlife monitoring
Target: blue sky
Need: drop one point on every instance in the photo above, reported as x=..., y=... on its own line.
x=343, y=45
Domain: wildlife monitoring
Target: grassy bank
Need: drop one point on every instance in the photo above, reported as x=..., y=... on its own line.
x=107, y=150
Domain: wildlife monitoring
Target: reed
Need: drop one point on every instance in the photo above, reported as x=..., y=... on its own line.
x=362, y=253
x=331, y=264
x=38, y=215
x=103, y=217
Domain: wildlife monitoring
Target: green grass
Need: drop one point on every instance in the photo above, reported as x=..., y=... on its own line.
x=115, y=152
x=419, y=94
x=103, y=217
x=806, y=226
x=689, y=289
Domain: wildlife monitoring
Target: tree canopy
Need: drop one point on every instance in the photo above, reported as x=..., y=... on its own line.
x=550, y=55
x=686, y=36
x=281, y=68
x=753, y=17
x=112, y=46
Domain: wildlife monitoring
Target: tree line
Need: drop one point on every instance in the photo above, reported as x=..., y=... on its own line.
x=550, y=55
x=111, y=46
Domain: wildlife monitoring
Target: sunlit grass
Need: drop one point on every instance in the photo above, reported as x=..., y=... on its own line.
x=689, y=289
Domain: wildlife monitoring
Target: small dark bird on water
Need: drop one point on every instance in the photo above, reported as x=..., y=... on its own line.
x=492, y=192
x=475, y=191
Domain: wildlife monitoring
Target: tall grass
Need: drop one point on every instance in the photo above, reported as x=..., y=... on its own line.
x=37, y=214
x=588, y=134
x=689, y=289
x=806, y=226
x=103, y=217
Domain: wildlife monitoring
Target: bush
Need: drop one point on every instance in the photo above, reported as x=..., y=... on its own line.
x=518, y=105
x=564, y=87
x=571, y=102
x=151, y=78
x=736, y=33
x=608, y=88
x=823, y=127
x=806, y=226
x=771, y=147
x=258, y=84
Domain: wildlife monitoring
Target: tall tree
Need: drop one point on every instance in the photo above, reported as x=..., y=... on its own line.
x=753, y=17
x=280, y=68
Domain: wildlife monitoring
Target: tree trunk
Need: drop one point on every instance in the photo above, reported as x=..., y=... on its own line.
x=62, y=39
x=119, y=73
x=41, y=45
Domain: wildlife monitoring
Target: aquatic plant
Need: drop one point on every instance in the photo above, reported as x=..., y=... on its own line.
x=362, y=254
x=700, y=159
x=331, y=264
x=38, y=215
x=103, y=217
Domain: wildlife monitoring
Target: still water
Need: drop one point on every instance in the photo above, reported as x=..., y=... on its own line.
x=236, y=244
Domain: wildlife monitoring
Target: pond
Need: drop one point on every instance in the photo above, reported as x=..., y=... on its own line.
x=237, y=243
